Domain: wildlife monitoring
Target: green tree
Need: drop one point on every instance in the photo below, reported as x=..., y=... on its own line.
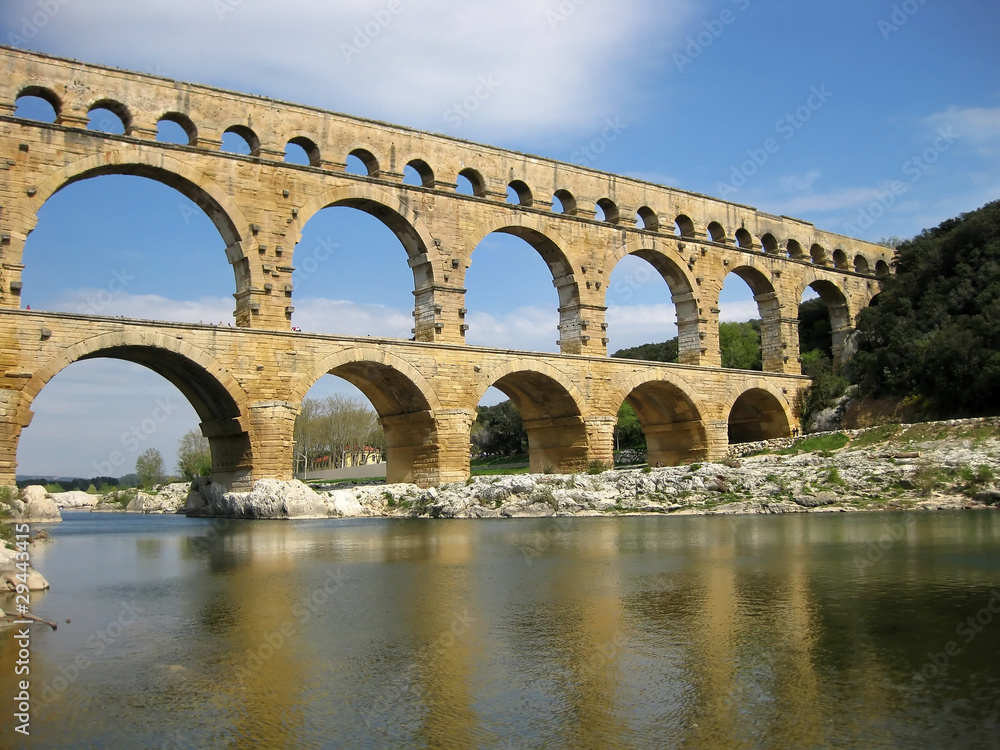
x=933, y=334
x=665, y=352
x=194, y=456
x=149, y=467
x=740, y=345
x=498, y=430
x=628, y=431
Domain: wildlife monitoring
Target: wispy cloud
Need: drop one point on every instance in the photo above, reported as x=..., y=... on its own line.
x=404, y=61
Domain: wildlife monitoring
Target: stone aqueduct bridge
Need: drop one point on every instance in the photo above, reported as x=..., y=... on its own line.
x=247, y=383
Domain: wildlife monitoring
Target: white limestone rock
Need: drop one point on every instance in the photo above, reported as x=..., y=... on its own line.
x=75, y=500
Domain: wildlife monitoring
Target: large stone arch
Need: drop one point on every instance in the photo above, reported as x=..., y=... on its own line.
x=671, y=418
x=405, y=402
x=399, y=217
x=219, y=400
x=769, y=308
x=552, y=411
x=549, y=245
x=669, y=264
x=758, y=411
x=160, y=167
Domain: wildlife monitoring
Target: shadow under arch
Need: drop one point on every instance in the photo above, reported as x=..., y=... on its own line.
x=551, y=410
x=549, y=246
x=669, y=416
x=769, y=310
x=758, y=413
x=203, y=192
x=671, y=267
x=403, y=399
x=217, y=398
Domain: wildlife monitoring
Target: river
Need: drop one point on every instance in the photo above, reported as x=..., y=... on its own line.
x=842, y=630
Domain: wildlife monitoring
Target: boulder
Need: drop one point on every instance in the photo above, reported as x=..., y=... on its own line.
x=817, y=500
x=169, y=502
x=35, y=506
x=344, y=504
x=988, y=496
x=269, y=498
x=75, y=499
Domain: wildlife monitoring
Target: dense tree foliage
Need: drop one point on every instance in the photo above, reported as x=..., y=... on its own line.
x=628, y=431
x=498, y=430
x=665, y=352
x=933, y=334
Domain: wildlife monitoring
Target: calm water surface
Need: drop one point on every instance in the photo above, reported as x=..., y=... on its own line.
x=635, y=632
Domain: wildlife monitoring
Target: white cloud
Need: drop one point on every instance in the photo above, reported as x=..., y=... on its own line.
x=321, y=315
x=145, y=306
x=412, y=63
x=528, y=328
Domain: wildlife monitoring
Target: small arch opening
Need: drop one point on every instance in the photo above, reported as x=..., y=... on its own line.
x=240, y=139
x=684, y=227
x=794, y=250
x=519, y=193
x=174, y=127
x=563, y=202
x=716, y=233
x=607, y=211
x=300, y=150
x=881, y=268
x=861, y=264
x=817, y=253
x=363, y=162
x=769, y=244
x=840, y=259
x=647, y=219
x=418, y=172
x=37, y=103
x=470, y=182
x=108, y=116
x=744, y=239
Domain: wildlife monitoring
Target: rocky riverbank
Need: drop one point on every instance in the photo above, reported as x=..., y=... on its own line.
x=942, y=465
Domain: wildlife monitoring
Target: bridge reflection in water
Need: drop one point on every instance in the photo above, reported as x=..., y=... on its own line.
x=617, y=632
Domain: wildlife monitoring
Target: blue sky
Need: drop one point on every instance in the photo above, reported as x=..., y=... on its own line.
x=856, y=95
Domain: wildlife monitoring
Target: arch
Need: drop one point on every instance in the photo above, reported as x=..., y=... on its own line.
x=522, y=193
x=881, y=268
x=861, y=264
x=218, y=399
x=817, y=253
x=758, y=413
x=685, y=227
x=544, y=240
x=566, y=200
x=841, y=320
x=716, y=233
x=475, y=180
x=675, y=272
x=248, y=136
x=116, y=108
x=769, y=310
x=216, y=203
x=669, y=416
x=390, y=209
x=551, y=410
x=840, y=259
x=392, y=384
x=744, y=239
x=367, y=159
x=403, y=400
x=46, y=95
x=648, y=219
x=309, y=146
x=769, y=243
x=185, y=123
x=794, y=250
x=424, y=172
x=610, y=209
